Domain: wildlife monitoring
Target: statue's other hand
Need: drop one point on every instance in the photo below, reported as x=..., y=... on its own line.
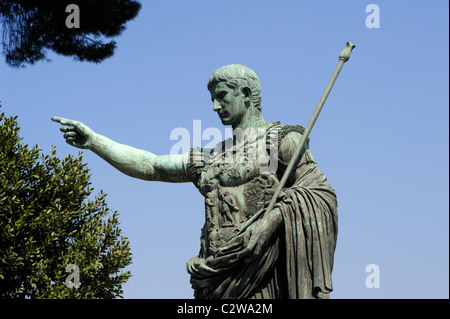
x=76, y=133
x=249, y=244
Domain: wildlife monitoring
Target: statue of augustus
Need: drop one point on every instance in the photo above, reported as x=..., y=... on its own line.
x=245, y=251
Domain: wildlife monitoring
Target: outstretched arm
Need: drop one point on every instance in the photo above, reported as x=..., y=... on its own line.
x=129, y=160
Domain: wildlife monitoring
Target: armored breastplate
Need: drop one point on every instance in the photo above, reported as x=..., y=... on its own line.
x=227, y=208
x=234, y=189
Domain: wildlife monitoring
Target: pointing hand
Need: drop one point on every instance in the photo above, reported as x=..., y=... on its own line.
x=76, y=133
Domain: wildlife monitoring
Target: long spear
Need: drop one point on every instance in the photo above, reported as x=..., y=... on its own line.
x=343, y=57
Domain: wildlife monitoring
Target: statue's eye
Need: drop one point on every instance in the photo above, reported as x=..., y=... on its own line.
x=221, y=94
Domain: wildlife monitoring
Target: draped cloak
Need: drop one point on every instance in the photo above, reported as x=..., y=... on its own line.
x=297, y=261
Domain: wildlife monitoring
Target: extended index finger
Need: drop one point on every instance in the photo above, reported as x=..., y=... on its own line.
x=63, y=121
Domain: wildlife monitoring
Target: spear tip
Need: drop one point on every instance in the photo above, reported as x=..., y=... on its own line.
x=345, y=54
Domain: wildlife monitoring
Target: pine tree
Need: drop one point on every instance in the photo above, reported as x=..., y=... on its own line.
x=31, y=27
x=48, y=222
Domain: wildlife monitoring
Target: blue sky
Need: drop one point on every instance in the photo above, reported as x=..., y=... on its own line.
x=382, y=138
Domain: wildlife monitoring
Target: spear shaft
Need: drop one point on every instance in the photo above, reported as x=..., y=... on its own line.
x=343, y=57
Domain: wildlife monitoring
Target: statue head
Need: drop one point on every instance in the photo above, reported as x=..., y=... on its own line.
x=238, y=77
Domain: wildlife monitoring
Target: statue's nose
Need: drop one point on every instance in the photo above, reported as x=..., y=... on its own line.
x=217, y=106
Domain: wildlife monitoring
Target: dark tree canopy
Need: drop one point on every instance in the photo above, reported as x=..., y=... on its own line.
x=31, y=27
x=48, y=222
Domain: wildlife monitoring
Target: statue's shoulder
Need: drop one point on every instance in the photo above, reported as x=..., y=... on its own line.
x=284, y=129
x=288, y=143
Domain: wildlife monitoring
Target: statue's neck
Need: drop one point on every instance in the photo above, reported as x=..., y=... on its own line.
x=252, y=119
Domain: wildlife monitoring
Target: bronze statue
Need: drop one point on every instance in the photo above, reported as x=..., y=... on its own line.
x=247, y=250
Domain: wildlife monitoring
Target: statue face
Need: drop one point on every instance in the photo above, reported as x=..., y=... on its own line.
x=228, y=103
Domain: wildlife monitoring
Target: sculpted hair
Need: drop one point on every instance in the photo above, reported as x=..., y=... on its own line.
x=238, y=75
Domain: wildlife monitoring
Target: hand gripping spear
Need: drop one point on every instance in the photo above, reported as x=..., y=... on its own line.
x=343, y=57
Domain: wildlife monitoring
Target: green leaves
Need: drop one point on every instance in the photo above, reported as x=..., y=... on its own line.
x=48, y=220
x=30, y=28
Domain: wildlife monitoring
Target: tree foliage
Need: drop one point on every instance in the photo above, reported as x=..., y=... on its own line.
x=31, y=27
x=47, y=222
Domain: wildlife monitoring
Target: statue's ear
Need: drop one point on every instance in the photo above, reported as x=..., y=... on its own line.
x=247, y=93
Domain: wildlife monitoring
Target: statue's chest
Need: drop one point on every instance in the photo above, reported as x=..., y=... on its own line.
x=233, y=166
x=235, y=186
x=233, y=194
